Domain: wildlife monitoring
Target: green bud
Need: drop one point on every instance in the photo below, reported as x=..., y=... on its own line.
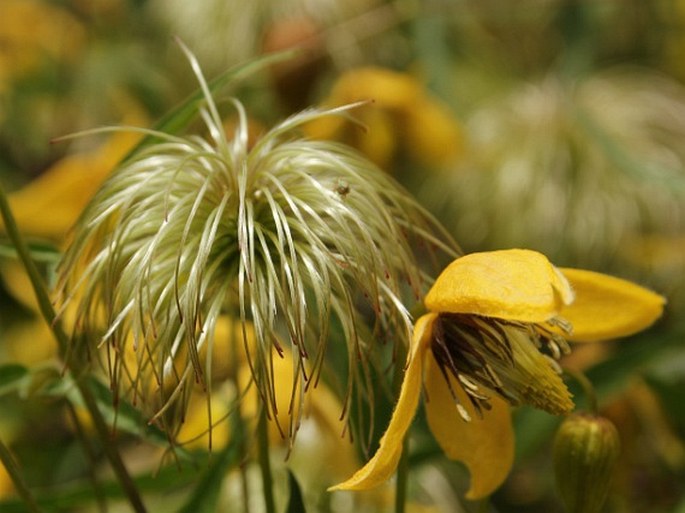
x=586, y=448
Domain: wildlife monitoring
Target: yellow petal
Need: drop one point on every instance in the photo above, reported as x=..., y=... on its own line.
x=388, y=89
x=6, y=485
x=485, y=445
x=608, y=307
x=196, y=431
x=18, y=284
x=513, y=284
x=383, y=464
x=432, y=133
x=50, y=204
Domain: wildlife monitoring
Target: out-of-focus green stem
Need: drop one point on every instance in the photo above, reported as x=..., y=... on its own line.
x=484, y=505
x=39, y=288
x=15, y=476
x=403, y=465
x=264, y=462
x=90, y=454
x=401, y=479
x=50, y=317
x=586, y=385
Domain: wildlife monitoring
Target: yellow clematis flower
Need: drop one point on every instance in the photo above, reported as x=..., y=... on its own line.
x=32, y=31
x=480, y=350
x=403, y=116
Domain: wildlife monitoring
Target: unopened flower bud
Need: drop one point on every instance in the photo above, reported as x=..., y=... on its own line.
x=586, y=448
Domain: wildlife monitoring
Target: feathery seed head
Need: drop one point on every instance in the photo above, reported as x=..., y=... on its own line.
x=284, y=235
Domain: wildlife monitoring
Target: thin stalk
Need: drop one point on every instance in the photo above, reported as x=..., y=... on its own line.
x=403, y=465
x=90, y=455
x=19, y=484
x=587, y=386
x=239, y=424
x=50, y=317
x=264, y=462
x=484, y=505
x=402, y=478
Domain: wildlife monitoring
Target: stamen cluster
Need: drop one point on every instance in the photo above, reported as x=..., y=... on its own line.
x=488, y=355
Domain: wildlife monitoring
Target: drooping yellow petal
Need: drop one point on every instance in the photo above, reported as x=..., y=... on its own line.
x=513, y=284
x=388, y=89
x=50, y=204
x=485, y=445
x=608, y=307
x=383, y=464
x=432, y=134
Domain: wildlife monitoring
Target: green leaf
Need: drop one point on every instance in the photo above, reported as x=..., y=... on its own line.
x=120, y=414
x=125, y=417
x=41, y=380
x=671, y=392
x=11, y=377
x=40, y=251
x=75, y=495
x=206, y=494
x=182, y=115
x=296, y=501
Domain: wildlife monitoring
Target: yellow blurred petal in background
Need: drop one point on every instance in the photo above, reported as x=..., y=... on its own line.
x=31, y=30
x=50, y=204
x=6, y=486
x=196, y=431
x=402, y=116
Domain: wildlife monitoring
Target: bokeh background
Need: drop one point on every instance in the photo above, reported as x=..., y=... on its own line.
x=556, y=125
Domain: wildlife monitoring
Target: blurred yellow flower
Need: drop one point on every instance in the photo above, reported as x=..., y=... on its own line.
x=318, y=414
x=402, y=117
x=6, y=487
x=49, y=205
x=32, y=30
x=46, y=208
x=480, y=349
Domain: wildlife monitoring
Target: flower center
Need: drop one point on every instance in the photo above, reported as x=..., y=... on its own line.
x=515, y=360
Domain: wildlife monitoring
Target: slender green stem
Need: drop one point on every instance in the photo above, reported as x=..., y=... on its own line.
x=264, y=462
x=39, y=288
x=90, y=454
x=588, y=388
x=239, y=422
x=403, y=465
x=50, y=317
x=19, y=484
x=402, y=478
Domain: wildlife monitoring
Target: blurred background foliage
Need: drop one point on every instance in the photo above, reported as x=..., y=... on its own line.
x=557, y=125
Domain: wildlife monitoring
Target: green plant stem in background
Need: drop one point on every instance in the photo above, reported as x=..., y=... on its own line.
x=402, y=477
x=264, y=463
x=19, y=484
x=90, y=454
x=403, y=465
x=483, y=506
x=49, y=315
x=588, y=388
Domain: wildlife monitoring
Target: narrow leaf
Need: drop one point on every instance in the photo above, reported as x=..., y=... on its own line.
x=182, y=115
x=11, y=377
x=42, y=252
x=206, y=494
x=296, y=501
